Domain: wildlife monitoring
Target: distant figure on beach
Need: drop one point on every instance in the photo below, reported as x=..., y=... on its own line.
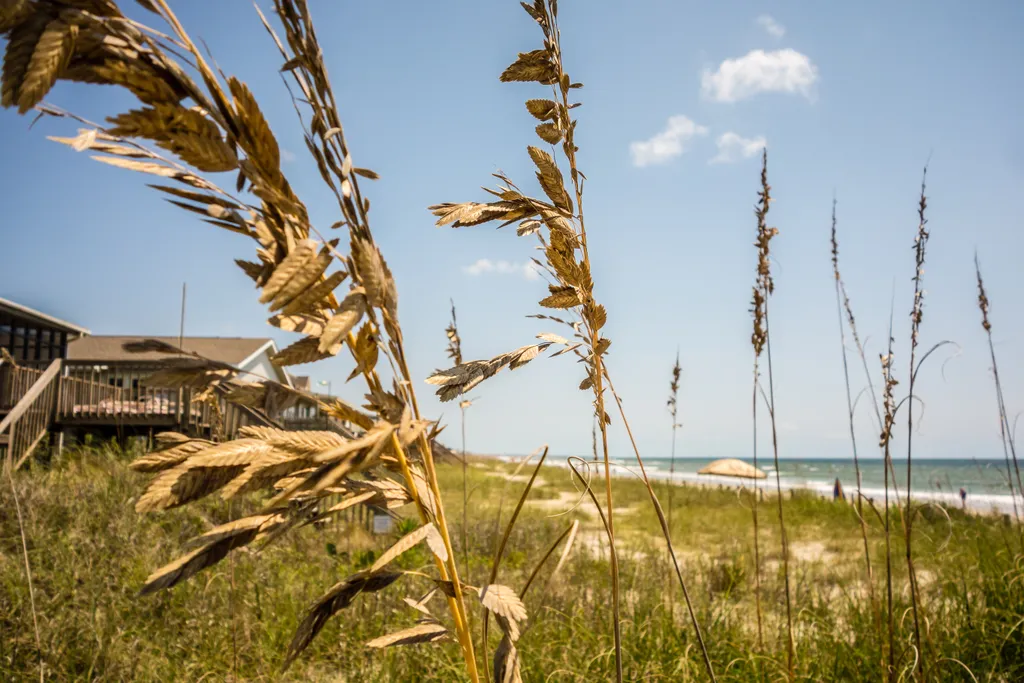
x=837, y=491
x=963, y=497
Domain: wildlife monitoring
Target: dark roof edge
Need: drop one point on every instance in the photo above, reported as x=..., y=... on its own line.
x=42, y=317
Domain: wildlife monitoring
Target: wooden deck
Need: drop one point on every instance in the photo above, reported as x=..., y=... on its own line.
x=66, y=394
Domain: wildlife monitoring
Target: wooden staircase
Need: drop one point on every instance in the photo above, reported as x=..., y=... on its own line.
x=33, y=394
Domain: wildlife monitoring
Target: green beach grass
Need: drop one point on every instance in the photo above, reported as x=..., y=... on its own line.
x=90, y=552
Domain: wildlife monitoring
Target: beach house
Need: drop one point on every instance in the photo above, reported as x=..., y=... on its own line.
x=59, y=380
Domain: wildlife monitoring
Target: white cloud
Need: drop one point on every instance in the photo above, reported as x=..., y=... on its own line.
x=667, y=144
x=773, y=27
x=758, y=71
x=287, y=156
x=733, y=147
x=485, y=265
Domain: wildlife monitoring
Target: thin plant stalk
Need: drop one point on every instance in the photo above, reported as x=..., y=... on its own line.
x=1009, y=448
x=599, y=403
x=232, y=596
x=753, y=509
x=594, y=342
x=499, y=549
x=850, y=415
x=9, y=471
x=613, y=555
x=761, y=340
x=665, y=532
x=459, y=612
x=784, y=538
x=570, y=532
x=454, y=352
x=673, y=405
x=566, y=252
x=887, y=465
x=920, y=243
x=465, y=493
x=868, y=375
x=889, y=404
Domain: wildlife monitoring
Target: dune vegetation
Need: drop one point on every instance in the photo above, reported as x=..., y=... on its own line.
x=244, y=558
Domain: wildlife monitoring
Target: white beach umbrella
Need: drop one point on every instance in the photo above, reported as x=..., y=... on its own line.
x=731, y=467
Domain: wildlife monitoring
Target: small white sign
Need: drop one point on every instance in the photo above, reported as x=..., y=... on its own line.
x=382, y=524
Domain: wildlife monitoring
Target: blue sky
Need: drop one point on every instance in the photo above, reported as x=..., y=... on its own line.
x=850, y=98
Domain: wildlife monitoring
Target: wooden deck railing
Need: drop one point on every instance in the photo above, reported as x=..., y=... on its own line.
x=92, y=391
x=15, y=381
x=30, y=418
x=79, y=393
x=120, y=393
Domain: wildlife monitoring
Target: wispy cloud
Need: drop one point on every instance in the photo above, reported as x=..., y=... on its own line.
x=482, y=266
x=667, y=144
x=786, y=71
x=287, y=156
x=772, y=27
x=733, y=147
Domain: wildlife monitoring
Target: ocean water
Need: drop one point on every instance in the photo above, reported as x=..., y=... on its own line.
x=938, y=480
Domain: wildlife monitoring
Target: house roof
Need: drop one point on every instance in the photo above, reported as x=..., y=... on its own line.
x=41, y=318
x=234, y=350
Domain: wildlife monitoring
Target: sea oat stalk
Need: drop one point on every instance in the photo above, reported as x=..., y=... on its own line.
x=840, y=296
x=869, y=377
x=753, y=510
x=761, y=339
x=1009, y=448
x=673, y=408
x=567, y=263
x=916, y=314
x=885, y=440
x=222, y=129
x=454, y=352
x=567, y=255
x=757, y=339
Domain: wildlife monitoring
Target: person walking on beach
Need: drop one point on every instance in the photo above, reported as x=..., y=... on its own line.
x=963, y=498
x=837, y=491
